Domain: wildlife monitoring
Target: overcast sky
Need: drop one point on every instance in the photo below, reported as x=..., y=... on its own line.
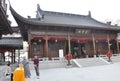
x=102, y=10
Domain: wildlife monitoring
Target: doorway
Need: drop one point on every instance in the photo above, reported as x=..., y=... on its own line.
x=78, y=50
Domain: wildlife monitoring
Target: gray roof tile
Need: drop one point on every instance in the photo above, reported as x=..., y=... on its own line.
x=12, y=42
x=64, y=19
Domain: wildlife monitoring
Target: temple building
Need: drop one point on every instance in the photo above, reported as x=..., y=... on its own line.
x=5, y=27
x=53, y=33
x=8, y=44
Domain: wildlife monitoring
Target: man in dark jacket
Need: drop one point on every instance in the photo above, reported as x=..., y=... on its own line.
x=36, y=65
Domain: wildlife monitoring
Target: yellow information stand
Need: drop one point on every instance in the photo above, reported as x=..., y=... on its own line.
x=19, y=74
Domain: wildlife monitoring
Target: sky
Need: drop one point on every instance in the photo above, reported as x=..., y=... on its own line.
x=101, y=10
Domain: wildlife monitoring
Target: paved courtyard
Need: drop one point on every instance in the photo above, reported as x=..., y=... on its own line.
x=96, y=73
x=105, y=72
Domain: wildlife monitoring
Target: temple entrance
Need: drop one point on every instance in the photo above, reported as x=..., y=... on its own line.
x=83, y=50
x=113, y=46
x=54, y=47
x=37, y=48
x=75, y=50
x=78, y=50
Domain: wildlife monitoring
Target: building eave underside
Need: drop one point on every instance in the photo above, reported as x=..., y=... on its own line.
x=11, y=43
x=5, y=22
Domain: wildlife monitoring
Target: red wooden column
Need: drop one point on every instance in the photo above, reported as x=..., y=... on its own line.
x=12, y=59
x=3, y=56
x=117, y=45
x=69, y=44
x=108, y=42
x=94, y=47
x=14, y=56
x=46, y=45
x=29, y=43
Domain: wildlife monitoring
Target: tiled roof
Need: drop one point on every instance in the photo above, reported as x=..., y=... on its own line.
x=15, y=29
x=12, y=42
x=71, y=19
x=5, y=27
x=64, y=19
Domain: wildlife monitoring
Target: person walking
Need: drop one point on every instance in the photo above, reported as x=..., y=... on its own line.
x=18, y=74
x=9, y=71
x=36, y=65
x=26, y=67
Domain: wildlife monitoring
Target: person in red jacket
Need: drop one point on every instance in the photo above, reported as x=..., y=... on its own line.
x=109, y=55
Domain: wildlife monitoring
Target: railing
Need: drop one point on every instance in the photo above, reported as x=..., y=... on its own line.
x=46, y=58
x=58, y=58
x=116, y=54
x=40, y=59
x=103, y=55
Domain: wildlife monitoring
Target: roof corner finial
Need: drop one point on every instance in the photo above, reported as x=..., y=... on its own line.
x=89, y=13
x=40, y=14
x=38, y=6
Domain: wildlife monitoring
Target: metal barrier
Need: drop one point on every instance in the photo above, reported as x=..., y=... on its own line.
x=104, y=55
x=47, y=59
x=58, y=58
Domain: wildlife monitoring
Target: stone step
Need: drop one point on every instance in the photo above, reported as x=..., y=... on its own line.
x=49, y=64
x=86, y=62
x=82, y=62
x=114, y=59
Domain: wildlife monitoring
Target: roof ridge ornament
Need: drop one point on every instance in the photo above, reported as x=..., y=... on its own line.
x=89, y=13
x=40, y=14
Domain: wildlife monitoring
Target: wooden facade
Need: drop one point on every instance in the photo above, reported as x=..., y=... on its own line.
x=46, y=43
x=74, y=34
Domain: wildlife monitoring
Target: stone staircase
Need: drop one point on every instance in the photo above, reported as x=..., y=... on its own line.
x=50, y=64
x=113, y=58
x=87, y=62
x=82, y=62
